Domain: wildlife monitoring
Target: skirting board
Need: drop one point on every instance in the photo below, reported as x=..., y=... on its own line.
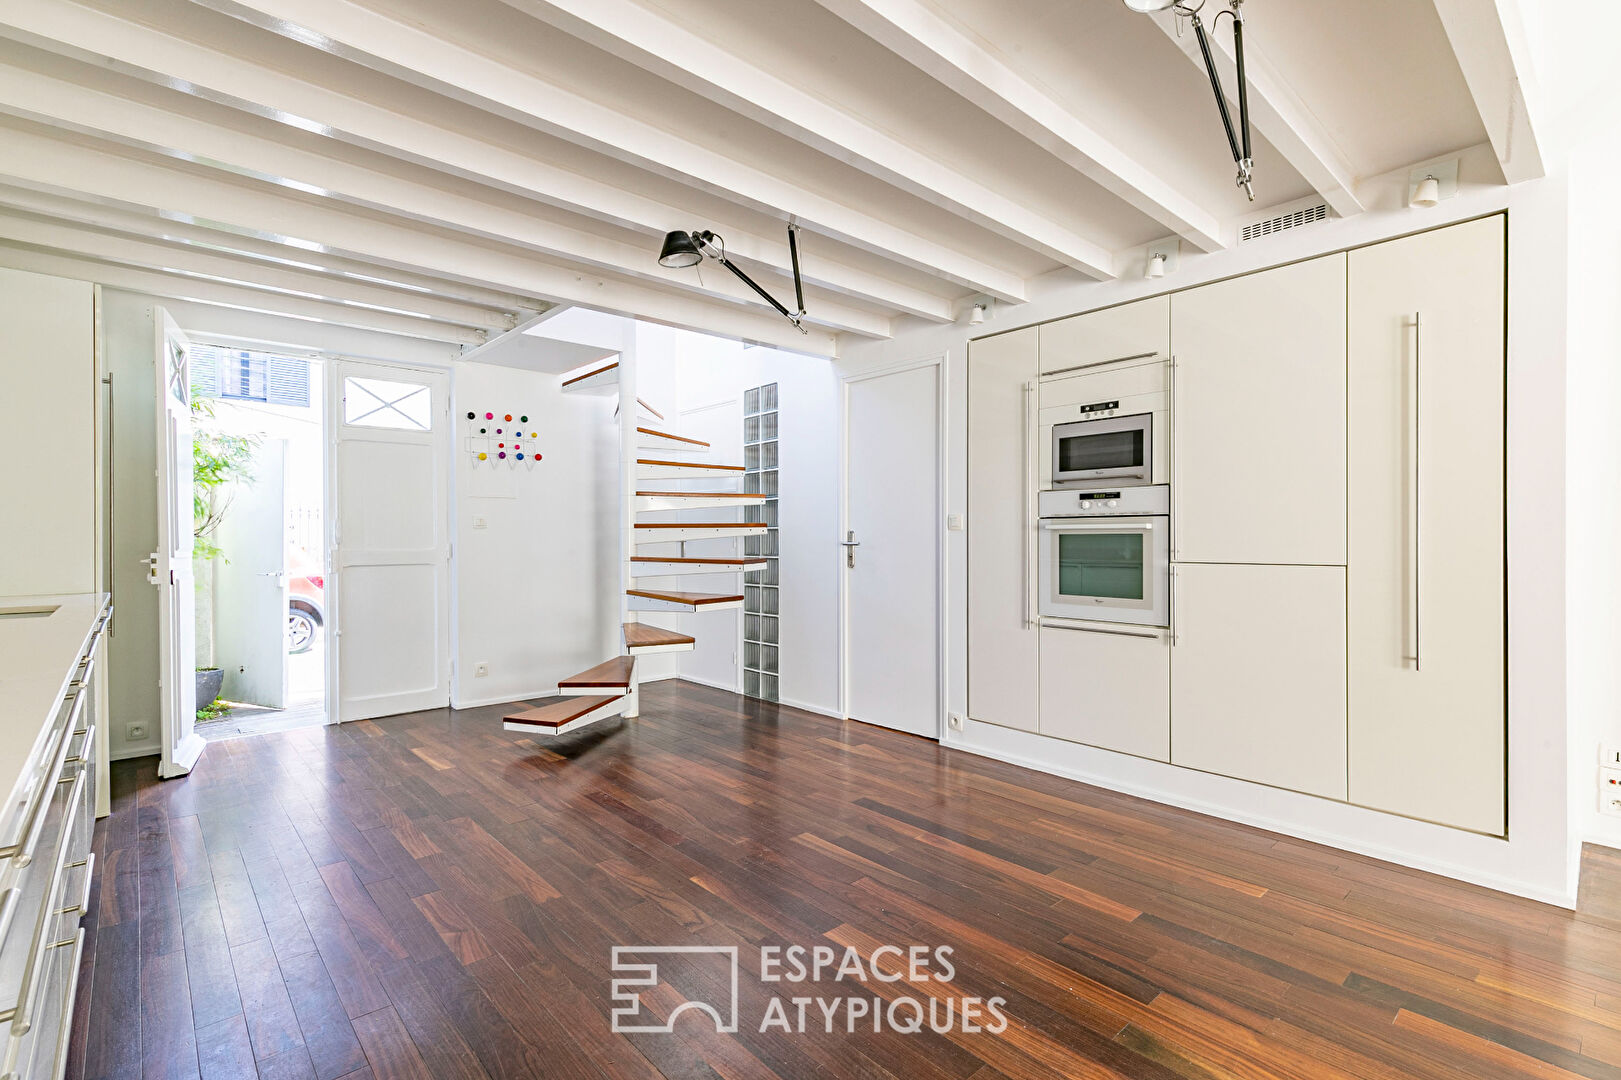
x=820, y=710
x=1227, y=812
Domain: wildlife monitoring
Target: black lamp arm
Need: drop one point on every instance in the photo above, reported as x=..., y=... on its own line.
x=715, y=247
x=1241, y=149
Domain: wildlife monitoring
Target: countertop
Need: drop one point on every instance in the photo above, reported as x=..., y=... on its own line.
x=38, y=654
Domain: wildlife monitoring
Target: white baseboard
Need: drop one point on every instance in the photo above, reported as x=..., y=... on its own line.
x=134, y=752
x=731, y=688
x=1272, y=823
x=502, y=699
x=820, y=710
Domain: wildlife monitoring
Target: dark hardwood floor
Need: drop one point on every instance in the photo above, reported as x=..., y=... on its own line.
x=428, y=896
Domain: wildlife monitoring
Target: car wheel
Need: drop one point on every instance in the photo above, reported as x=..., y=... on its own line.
x=300, y=631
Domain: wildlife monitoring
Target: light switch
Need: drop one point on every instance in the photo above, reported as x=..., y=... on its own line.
x=954, y=522
x=481, y=523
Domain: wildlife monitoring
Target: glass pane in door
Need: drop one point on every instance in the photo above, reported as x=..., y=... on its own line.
x=1101, y=564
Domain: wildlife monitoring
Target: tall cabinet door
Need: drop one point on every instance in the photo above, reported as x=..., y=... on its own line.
x=1258, y=411
x=1258, y=674
x=1004, y=644
x=1427, y=607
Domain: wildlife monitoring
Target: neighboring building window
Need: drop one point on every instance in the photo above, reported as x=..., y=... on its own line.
x=243, y=375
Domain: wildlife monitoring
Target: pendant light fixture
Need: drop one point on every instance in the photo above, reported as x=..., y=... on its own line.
x=684, y=249
x=1427, y=193
x=1239, y=139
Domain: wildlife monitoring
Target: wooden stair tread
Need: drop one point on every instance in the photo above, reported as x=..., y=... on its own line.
x=598, y=371
x=666, y=435
x=701, y=494
x=558, y=713
x=643, y=636
x=706, y=562
x=700, y=524
x=610, y=673
x=688, y=464
x=696, y=599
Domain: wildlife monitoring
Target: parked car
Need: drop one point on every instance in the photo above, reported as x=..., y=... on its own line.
x=306, y=608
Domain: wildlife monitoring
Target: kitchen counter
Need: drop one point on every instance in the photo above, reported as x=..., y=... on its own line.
x=41, y=639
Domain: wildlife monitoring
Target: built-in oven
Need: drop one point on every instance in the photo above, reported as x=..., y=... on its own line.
x=1105, y=447
x=1105, y=555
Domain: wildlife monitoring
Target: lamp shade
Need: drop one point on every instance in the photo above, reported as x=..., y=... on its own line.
x=679, y=251
x=1156, y=266
x=1147, y=7
x=1427, y=193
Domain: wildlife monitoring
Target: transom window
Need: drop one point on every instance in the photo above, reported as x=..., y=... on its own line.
x=385, y=404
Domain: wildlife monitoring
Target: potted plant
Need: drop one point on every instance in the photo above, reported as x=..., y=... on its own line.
x=219, y=460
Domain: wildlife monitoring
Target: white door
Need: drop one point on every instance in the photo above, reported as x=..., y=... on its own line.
x=391, y=539
x=250, y=584
x=171, y=562
x=892, y=579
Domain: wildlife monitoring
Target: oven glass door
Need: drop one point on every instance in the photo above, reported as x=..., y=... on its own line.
x=1116, y=448
x=1109, y=569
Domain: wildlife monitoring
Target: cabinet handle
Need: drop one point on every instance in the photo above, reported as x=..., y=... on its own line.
x=70, y=995
x=1099, y=363
x=1027, y=527
x=1170, y=600
x=107, y=380
x=1414, y=537
x=1149, y=635
x=34, y=819
x=21, y=1015
x=1176, y=458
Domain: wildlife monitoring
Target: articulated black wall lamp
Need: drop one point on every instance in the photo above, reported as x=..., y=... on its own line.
x=683, y=249
x=1240, y=142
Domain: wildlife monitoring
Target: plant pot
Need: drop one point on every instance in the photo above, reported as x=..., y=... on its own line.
x=209, y=681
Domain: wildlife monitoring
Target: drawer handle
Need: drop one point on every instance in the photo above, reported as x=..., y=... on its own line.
x=34, y=820
x=70, y=996
x=83, y=673
x=21, y=1015
x=86, y=748
x=83, y=906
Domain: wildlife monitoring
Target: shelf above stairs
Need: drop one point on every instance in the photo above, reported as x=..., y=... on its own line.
x=648, y=502
x=561, y=717
x=658, y=566
x=656, y=469
x=676, y=600
x=641, y=638
x=670, y=532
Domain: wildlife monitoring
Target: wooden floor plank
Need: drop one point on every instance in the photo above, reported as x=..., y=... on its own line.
x=431, y=896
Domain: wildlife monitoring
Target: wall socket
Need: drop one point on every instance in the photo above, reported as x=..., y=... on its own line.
x=134, y=732
x=955, y=721
x=1609, y=792
x=480, y=670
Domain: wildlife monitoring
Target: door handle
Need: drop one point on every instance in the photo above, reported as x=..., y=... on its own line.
x=849, y=544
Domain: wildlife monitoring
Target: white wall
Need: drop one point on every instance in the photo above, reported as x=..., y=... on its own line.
x=1538, y=858
x=535, y=589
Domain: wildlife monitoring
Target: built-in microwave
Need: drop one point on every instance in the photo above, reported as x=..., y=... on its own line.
x=1104, y=447
x=1104, y=555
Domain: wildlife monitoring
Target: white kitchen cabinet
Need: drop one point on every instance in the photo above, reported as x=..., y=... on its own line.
x=1258, y=410
x=1004, y=652
x=1138, y=329
x=1258, y=674
x=1427, y=608
x=1108, y=687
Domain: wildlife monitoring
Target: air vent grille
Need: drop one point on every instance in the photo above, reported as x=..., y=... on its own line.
x=1294, y=219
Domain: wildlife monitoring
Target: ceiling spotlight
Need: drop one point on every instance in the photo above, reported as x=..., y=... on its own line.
x=1156, y=266
x=679, y=251
x=1239, y=139
x=684, y=249
x=1427, y=193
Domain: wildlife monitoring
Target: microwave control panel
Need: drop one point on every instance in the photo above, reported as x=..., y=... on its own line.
x=1099, y=406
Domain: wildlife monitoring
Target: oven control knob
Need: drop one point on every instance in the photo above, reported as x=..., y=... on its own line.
x=1114, y=502
x=1085, y=505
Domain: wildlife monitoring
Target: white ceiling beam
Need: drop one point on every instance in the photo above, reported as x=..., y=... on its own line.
x=157, y=57
x=1279, y=115
x=148, y=255
x=37, y=159
x=205, y=291
x=269, y=332
x=424, y=58
x=664, y=47
x=914, y=32
x=106, y=115
x=1488, y=38
x=217, y=238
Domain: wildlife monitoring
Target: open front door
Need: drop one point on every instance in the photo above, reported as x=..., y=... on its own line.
x=250, y=584
x=391, y=539
x=171, y=563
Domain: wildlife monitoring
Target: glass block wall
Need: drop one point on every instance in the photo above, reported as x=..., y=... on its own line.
x=760, y=586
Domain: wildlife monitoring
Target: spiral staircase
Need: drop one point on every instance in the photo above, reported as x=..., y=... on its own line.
x=662, y=480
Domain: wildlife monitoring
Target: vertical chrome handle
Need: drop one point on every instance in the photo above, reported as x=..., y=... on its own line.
x=1170, y=636
x=107, y=381
x=1028, y=525
x=1414, y=461
x=1176, y=458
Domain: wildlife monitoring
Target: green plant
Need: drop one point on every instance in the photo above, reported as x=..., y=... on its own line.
x=213, y=710
x=218, y=460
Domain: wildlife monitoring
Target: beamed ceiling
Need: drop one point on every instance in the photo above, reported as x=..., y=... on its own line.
x=450, y=170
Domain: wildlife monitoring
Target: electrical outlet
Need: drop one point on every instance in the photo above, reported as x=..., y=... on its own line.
x=480, y=670
x=134, y=732
x=481, y=523
x=956, y=721
x=1609, y=792
x=954, y=523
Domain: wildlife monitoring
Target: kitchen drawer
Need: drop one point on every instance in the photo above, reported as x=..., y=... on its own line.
x=1107, y=686
x=1142, y=326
